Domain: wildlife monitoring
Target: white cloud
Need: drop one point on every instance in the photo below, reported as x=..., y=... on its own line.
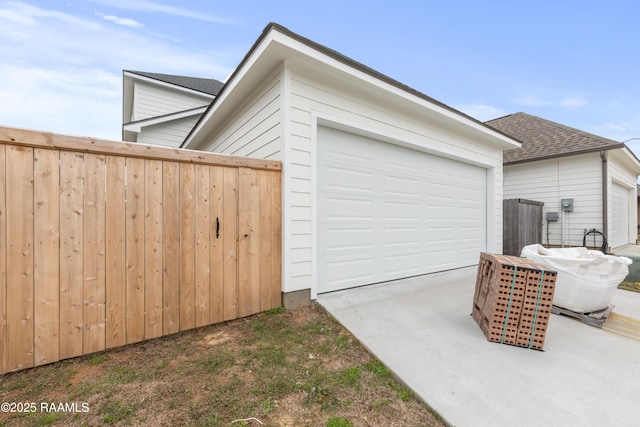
x=27, y=13
x=531, y=101
x=620, y=126
x=78, y=102
x=154, y=7
x=569, y=102
x=572, y=102
x=121, y=21
x=482, y=112
x=16, y=16
x=619, y=131
x=68, y=78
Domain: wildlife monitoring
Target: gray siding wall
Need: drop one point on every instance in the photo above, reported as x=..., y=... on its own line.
x=548, y=181
x=152, y=101
x=169, y=134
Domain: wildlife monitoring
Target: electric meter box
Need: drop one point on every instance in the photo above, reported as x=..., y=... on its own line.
x=566, y=205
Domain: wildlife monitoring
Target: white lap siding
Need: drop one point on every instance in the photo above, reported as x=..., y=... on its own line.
x=548, y=181
x=256, y=130
x=168, y=134
x=152, y=101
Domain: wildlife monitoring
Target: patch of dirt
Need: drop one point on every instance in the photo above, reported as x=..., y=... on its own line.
x=291, y=411
x=84, y=372
x=217, y=338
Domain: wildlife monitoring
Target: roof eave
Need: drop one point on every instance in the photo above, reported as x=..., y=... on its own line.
x=568, y=154
x=137, y=125
x=288, y=44
x=135, y=76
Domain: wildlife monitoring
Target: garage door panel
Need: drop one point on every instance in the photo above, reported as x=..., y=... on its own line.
x=347, y=239
x=440, y=259
x=420, y=213
x=402, y=265
x=348, y=179
x=401, y=211
x=401, y=236
x=345, y=208
x=620, y=216
x=344, y=145
x=402, y=187
x=440, y=189
x=410, y=166
x=440, y=215
x=350, y=272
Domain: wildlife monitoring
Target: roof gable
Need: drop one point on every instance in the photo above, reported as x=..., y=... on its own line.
x=278, y=45
x=209, y=86
x=544, y=139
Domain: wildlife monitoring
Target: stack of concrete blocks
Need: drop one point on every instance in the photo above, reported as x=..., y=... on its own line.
x=513, y=299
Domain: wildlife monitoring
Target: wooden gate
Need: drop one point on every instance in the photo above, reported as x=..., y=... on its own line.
x=522, y=225
x=104, y=243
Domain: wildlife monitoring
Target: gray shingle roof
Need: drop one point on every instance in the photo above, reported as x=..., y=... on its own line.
x=544, y=139
x=210, y=86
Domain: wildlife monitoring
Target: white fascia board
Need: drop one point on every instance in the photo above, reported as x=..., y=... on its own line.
x=138, y=125
x=629, y=159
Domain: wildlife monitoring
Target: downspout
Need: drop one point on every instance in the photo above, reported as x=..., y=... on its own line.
x=605, y=198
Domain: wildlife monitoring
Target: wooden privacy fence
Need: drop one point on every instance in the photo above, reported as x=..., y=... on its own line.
x=104, y=244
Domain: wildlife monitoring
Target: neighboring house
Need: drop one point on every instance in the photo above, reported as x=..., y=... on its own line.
x=380, y=182
x=557, y=162
x=638, y=190
x=162, y=109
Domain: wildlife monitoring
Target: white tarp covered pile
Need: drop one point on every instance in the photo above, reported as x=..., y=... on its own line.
x=586, y=280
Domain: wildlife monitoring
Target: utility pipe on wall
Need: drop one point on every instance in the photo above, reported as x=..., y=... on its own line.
x=605, y=198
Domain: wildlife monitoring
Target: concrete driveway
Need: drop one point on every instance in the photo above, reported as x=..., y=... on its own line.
x=422, y=330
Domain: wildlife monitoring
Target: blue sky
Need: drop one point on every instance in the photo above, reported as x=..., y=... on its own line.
x=573, y=62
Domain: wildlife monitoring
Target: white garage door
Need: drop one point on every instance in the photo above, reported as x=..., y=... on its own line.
x=619, y=216
x=387, y=212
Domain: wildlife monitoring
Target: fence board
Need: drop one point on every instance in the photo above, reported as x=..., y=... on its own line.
x=94, y=253
x=19, y=199
x=134, y=224
x=276, y=240
x=187, y=243
x=249, y=247
x=202, y=246
x=71, y=239
x=46, y=253
x=216, y=285
x=115, y=291
x=153, y=248
x=100, y=248
x=30, y=138
x=3, y=262
x=171, y=247
x=230, y=231
x=266, y=294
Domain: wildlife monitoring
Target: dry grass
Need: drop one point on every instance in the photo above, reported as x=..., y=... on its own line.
x=293, y=368
x=630, y=286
